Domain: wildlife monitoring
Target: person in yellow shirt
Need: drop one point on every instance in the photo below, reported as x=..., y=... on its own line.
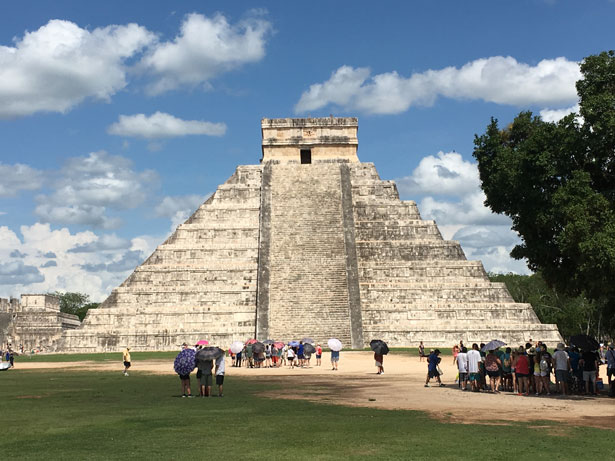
x=126, y=358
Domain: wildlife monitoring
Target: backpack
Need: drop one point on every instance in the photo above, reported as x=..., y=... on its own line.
x=544, y=365
x=506, y=363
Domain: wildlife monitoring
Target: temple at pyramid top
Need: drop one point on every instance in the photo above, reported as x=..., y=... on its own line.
x=310, y=140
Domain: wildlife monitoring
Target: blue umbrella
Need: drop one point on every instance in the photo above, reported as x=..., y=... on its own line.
x=293, y=343
x=185, y=362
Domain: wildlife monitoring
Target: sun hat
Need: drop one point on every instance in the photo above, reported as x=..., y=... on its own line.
x=560, y=346
x=532, y=351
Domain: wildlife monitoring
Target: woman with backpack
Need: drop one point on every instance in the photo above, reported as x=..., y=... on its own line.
x=492, y=367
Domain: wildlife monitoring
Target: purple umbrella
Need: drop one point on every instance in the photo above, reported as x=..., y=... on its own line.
x=185, y=362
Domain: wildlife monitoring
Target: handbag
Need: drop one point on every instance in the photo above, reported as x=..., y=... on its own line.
x=440, y=372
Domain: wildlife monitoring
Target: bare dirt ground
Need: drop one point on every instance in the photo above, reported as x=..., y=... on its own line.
x=400, y=387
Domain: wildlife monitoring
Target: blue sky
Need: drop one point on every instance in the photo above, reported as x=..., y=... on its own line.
x=118, y=118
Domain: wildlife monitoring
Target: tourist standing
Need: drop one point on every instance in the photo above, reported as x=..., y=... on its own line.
x=290, y=354
x=300, y=356
x=318, y=355
x=474, y=360
x=379, y=359
x=589, y=362
x=522, y=371
x=462, y=366
x=421, y=351
x=249, y=356
x=562, y=369
x=507, y=377
x=220, y=366
x=335, y=358
x=492, y=366
x=432, y=367
x=206, y=366
x=126, y=360
x=455, y=353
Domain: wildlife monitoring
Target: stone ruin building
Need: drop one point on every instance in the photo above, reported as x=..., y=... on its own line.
x=311, y=242
x=35, y=323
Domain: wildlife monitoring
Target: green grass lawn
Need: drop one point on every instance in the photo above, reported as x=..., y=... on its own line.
x=56, y=414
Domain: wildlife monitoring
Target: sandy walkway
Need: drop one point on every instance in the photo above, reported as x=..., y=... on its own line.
x=401, y=387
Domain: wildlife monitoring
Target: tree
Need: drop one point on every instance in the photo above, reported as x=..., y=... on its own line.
x=571, y=314
x=556, y=181
x=75, y=303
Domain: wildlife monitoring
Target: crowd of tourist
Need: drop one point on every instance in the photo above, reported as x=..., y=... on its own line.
x=529, y=369
x=282, y=355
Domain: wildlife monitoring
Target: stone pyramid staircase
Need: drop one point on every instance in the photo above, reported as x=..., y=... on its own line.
x=415, y=286
x=308, y=292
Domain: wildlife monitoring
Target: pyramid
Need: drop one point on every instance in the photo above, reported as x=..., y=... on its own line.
x=311, y=242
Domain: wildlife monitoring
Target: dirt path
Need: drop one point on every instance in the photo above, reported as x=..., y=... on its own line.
x=401, y=387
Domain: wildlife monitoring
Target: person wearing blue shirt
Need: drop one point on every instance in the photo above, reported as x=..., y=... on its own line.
x=432, y=367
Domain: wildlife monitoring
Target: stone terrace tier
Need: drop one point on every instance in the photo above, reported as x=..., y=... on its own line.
x=415, y=286
x=199, y=284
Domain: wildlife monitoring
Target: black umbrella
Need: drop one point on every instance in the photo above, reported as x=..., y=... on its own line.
x=585, y=342
x=308, y=349
x=379, y=346
x=258, y=348
x=209, y=353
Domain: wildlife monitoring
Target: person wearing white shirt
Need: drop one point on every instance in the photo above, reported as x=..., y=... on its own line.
x=462, y=366
x=220, y=368
x=474, y=359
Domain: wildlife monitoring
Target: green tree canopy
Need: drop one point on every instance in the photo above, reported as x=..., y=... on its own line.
x=556, y=181
x=75, y=303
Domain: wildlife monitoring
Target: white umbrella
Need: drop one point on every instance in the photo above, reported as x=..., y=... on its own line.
x=335, y=344
x=236, y=347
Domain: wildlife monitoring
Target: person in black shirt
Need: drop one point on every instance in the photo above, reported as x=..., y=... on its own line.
x=589, y=362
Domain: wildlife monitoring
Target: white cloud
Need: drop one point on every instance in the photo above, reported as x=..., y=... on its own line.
x=60, y=65
x=555, y=115
x=442, y=174
x=77, y=266
x=205, y=48
x=162, y=125
x=498, y=79
x=447, y=189
x=88, y=186
x=18, y=177
x=178, y=208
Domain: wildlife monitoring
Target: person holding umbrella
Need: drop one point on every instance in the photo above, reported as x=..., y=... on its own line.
x=183, y=365
x=379, y=359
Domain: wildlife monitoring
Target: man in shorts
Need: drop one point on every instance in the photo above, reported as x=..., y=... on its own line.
x=220, y=374
x=589, y=362
x=335, y=358
x=126, y=359
x=206, y=366
x=562, y=368
x=432, y=367
x=474, y=360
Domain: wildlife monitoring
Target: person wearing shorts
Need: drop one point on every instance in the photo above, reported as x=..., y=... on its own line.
x=589, y=361
x=206, y=367
x=220, y=368
x=185, y=380
x=126, y=359
x=318, y=355
x=335, y=358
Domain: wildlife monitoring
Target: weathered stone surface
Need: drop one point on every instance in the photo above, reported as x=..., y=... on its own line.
x=323, y=249
x=35, y=322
